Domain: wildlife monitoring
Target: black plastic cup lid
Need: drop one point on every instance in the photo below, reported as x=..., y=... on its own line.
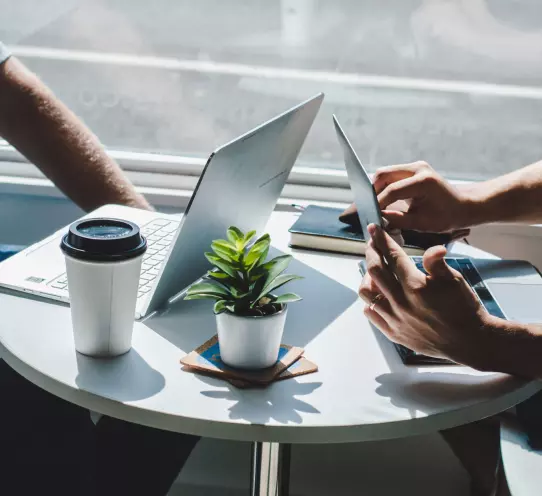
x=103, y=240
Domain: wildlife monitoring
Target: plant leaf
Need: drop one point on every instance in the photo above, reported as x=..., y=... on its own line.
x=208, y=288
x=256, y=263
x=263, y=237
x=263, y=256
x=276, y=266
x=255, y=276
x=235, y=235
x=221, y=264
x=248, y=236
x=207, y=296
x=217, y=275
x=256, y=289
x=287, y=298
x=225, y=244
x=256, y=251
x=276, y=283
x=237, y=294
x=263, y=269
x=221, y=306
x=268, y=265
x=226, y=248
x=224, y=254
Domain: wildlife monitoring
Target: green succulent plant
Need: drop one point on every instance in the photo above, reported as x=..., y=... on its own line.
x=243, y=281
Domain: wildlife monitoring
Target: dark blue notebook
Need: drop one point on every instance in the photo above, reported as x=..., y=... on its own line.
x=319, y=228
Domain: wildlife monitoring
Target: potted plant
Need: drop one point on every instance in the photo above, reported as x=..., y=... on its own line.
x=250, y=316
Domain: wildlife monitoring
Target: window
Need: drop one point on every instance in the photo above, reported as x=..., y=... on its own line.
x=456, y=83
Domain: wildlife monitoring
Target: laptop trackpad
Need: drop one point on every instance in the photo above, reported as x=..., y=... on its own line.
x=519, y=302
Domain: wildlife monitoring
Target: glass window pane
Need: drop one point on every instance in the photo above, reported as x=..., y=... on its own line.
x=455, y=83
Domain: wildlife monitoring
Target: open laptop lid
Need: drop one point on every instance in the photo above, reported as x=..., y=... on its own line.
x=362, y=188
x=239, y=186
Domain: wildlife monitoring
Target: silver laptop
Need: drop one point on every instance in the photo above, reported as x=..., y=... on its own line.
x=239, y=186
x=508, y=289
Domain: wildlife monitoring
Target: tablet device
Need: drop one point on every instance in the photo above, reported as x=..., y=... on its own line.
x=362, y=188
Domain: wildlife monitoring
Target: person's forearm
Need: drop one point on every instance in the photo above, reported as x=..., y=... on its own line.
x=48, y=134
x=514, y=197
x=511, y=348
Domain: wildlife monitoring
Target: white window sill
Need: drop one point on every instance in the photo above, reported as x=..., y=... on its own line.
x=151, y=185
x=168, y=180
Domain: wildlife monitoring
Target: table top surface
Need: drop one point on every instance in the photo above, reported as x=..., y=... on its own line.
x=362, y=390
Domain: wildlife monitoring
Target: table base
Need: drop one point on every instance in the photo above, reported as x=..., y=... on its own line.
x=270, y=469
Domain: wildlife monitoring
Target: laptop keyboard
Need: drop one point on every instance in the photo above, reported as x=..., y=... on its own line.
x=159, y=234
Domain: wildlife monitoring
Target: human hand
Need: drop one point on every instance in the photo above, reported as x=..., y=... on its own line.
x=396, y=234
x=436, y=314
x=349, y=216
x=432, y=204
x=413, y=196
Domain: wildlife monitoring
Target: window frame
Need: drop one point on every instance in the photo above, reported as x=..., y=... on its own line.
x=169, y=180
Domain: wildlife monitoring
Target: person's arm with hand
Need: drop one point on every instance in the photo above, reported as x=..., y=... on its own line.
x=48, y=134
x=439, y=315
x=436, y=205
x=513, y=197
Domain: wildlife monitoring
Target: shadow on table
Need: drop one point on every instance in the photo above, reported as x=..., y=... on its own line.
x=125, y=378
x=427, y=388
x=187, y=324
x=277, y=402
x=426, y=391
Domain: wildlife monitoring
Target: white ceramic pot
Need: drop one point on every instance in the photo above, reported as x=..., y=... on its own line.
x=250, y=342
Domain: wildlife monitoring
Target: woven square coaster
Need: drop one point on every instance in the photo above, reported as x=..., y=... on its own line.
x=298, y=368
x=206, y=358
x=301, y=367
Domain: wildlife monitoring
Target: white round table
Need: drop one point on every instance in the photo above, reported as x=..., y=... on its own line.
x=361, y=392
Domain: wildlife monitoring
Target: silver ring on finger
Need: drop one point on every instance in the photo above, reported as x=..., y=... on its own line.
x=375, y=301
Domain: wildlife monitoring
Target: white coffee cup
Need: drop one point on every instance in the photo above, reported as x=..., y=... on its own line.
x=103, y=264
